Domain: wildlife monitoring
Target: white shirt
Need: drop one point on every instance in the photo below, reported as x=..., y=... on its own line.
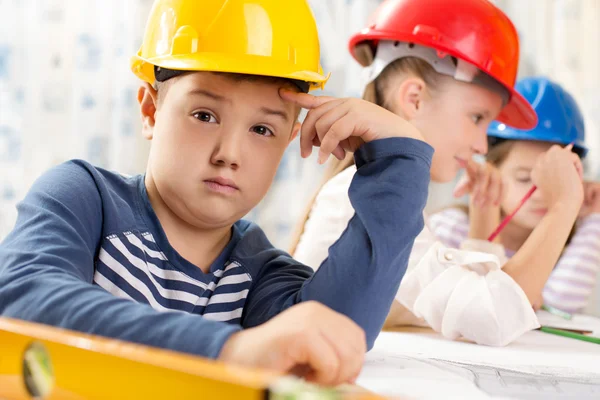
x=459, y=293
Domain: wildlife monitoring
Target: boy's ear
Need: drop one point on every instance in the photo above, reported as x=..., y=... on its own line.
x=148, y=99
x=295, y=131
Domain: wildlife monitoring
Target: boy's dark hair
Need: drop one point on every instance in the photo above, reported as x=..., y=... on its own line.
x=163, y=78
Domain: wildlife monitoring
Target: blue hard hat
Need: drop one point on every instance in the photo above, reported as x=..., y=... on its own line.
x=559, y=118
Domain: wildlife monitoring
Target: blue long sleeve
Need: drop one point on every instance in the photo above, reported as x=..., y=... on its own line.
x=48, y=264
x=362, y=274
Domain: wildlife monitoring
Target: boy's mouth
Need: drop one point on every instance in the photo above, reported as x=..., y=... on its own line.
x=221, y=185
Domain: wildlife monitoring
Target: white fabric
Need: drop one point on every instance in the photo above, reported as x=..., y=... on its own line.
x=458, y=292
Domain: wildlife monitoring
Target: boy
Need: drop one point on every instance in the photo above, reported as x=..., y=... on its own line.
x=164, y=259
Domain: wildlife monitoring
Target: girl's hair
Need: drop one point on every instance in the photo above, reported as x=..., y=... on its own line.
x=498, y=151
x=375, y=92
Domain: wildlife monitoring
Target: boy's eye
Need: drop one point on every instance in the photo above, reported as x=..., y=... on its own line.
x=477, y=118
x=262, y=130
x=204, y=117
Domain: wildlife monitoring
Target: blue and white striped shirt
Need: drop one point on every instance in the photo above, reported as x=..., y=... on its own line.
x=132, y=266
x=88, y=253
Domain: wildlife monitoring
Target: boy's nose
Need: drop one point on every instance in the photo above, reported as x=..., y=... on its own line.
x=228, y=150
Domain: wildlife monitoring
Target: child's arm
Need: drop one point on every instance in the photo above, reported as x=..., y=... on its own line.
x=364, y=268
x=573, y=279
x=47, y=273
x=48, y=265
x=483, y=183
x=557, y=174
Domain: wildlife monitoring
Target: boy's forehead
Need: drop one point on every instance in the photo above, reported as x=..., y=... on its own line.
x=227, y=87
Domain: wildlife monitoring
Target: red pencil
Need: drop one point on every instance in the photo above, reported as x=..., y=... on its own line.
x=507, y=219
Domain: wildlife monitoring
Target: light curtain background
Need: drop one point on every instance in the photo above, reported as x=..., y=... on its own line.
x=66, y=90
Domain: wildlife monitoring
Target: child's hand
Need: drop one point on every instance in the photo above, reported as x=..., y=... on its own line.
x=591, y=201
x=558, y=173
x=483, y=182
x=308, y=339
x=341, y=125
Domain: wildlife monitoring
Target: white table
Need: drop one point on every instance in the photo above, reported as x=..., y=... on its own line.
x=419, y=363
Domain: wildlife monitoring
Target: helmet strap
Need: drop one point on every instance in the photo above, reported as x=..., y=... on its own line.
x=389, y=51
x=164, y=74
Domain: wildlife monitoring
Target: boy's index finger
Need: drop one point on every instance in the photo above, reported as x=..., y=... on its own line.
x=304, y=100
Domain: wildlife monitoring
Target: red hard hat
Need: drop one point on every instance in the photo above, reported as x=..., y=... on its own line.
x=475, y=31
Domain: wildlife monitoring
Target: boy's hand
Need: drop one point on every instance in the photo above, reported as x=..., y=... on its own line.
x=591, y=201
x=341, y=125
x=308, y=339
x=558, y=173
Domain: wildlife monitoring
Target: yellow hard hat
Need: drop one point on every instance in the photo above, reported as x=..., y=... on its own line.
x=258, y=37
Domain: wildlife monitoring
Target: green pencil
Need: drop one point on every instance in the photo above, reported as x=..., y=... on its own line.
x=571, y=335
x=557, y=312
